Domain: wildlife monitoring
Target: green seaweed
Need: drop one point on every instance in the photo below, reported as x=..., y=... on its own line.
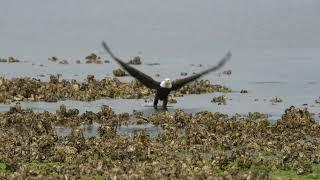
x=3, y=169
x=40, y=167
x=290, y=174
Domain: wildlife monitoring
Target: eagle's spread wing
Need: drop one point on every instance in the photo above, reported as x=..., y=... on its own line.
x=143, y=78
x=180, y=82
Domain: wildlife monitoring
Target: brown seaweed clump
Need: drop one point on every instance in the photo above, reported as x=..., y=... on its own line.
x=204, y=145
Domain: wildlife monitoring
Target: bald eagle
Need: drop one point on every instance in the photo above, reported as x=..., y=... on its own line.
x=164, y=87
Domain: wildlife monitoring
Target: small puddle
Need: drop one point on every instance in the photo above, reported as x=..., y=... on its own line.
x=91, y=130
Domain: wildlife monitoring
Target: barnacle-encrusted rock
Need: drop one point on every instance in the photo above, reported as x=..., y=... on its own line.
x=182, y=118
x=93, y=58
x=13, y=60
x=53, y=58
x=202, y=86
x=206, y=145
x=119, y=72
x=171, y=100
x=90, y=78
x=3, y=60
x=227, y=72
x=54, y=79
x=9, y=60
x=136, y=60
x=16, y=108
x=243, y=91
x=106, y=112
x=276, y=100
x=220, y=100
x=31, y=89
x=183, y=74
x=64, y=61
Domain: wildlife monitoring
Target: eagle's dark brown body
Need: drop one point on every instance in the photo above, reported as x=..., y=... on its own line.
x=161, y=94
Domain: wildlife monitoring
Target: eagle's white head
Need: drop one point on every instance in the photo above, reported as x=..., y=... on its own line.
x=166, y=83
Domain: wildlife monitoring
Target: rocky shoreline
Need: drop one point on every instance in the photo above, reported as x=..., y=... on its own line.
x=31, y=89
x=204, y=145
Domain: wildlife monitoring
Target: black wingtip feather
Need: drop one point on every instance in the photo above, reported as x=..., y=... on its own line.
x=106, y=47
x=143, y=78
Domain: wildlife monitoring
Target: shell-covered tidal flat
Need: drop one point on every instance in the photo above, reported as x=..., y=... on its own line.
x=204, y=145
x=31, y=89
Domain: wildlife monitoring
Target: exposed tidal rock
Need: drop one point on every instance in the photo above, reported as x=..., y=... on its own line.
x=136, y=60
x=119, y=72
x=220, y=100
x=31, y=89
x=93, y=59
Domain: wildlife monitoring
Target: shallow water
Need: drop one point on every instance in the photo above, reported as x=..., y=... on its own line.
x=281, y=75
x=175, y=36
